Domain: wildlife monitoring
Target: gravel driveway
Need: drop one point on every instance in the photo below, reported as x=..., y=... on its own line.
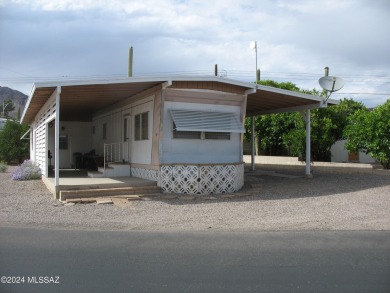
x=277, y=201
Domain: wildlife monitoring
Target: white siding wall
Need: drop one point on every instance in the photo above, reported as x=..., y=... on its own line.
x=114, y=121
x=140, y=150
x=39, y=128
x=79, y=140
x=198, y=151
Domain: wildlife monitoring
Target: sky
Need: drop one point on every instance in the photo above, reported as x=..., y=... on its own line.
x=45, y=40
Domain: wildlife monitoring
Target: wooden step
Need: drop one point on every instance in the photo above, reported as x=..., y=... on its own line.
x=109, y=192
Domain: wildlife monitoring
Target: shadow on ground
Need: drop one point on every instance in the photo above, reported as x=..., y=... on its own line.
x=279, y=184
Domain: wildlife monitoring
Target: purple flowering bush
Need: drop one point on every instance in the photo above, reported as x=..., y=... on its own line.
x=28, y=170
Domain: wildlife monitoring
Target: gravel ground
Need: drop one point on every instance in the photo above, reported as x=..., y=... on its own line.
x=325, y=202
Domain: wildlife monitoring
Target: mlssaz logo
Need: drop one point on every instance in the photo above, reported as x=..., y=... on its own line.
x=43, y=280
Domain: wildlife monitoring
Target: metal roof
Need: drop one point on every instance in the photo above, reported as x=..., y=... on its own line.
x=80, y=99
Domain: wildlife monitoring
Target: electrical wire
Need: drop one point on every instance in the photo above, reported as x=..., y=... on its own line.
x=244, y=75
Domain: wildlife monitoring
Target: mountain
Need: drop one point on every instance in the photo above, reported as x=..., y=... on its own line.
x=19, y=99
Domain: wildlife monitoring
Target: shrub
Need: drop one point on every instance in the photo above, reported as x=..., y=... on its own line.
x=3, y=167
x=12, y=148
x=369, y=131
x=28, y=170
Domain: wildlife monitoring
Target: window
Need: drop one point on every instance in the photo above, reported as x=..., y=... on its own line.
x=217, y=135
x=141, y=126
x=63, y=139
x=199, y=134
x=145, y=125
x=125, y=130
x=105, y=131
x=185, y=134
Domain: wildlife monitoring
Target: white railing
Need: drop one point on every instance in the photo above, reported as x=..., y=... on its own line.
x=112, y=153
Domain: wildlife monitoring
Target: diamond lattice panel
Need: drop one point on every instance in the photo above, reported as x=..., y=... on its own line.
x=202, y=179
x=220, y=179
x=145, y=173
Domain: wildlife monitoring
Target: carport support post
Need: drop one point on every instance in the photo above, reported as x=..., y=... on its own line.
x=253, y=166
x=308, y=150
x=57, y=141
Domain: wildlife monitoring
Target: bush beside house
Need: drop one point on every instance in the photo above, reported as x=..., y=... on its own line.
x=12, y=148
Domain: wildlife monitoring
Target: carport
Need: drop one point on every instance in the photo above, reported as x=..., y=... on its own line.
x=80, y=100
x=266, y=100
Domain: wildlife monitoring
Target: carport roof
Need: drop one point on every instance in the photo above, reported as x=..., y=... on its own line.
x=81, y=98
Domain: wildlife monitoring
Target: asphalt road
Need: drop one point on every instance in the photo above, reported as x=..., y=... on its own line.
x=50, y=260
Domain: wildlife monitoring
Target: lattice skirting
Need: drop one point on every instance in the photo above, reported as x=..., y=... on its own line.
x=145, y=173
x=194, y=179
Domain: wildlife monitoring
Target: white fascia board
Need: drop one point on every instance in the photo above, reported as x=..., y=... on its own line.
x=161, y=79
x=291, y=109
x=28, y=103
x=290, y=93
x=251, y=91
x=95, y=81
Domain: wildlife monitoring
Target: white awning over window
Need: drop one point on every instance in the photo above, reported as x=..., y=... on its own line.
x=186, y=120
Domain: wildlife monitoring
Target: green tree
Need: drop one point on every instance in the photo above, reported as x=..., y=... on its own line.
x=12, y=148
x=327, y=127
x=369, y=131
x=284, y=134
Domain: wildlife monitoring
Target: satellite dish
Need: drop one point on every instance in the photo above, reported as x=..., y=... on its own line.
x=253, y=45
x=331, y=83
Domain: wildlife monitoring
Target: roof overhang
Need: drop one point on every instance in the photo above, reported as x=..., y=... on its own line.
x=270, y=100
x=80, y=99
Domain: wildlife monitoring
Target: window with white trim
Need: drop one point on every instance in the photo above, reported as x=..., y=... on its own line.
x=141, y=126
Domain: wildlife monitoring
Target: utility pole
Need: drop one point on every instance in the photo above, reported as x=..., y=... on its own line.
x=253, y=46
x=130, y=69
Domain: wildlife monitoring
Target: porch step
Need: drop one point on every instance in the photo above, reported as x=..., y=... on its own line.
x=112, y=170
x=109, y=192
x=95, y=174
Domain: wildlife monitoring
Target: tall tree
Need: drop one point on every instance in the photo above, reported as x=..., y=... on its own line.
x=327, y=127
x=369, y=131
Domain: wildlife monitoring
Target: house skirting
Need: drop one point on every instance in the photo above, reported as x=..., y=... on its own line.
x=195, y=179
x=201, y=179
x=143, y=173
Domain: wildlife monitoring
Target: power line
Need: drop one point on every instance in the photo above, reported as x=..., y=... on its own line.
x=229, y=73
x=374, y=94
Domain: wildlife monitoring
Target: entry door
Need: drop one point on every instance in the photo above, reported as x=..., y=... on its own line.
x=126, y=138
